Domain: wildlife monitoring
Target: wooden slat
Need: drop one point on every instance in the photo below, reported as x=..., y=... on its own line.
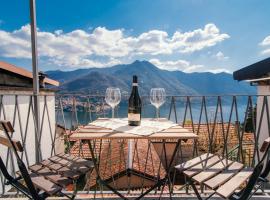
x=202, y=166
x=93, y=127
x=77, y=164
x=77, y=167
x=87, y=163
x=265, y=145
x=36, y=167
x=18, y=146
x=68, y=156
x=87, y=130
x=52, y=176
x=212, y=171
x=234, y=183
x=51, y=165
x=65, y=171
x=175, y=130
x=44, y=184
x=193, y=162
x=60, y=160
x=224, y=176
x=7, y=126
x=68, y=159
x=55, y=158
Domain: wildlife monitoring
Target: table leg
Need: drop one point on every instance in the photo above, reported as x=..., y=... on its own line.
x=130, y=154
x=98, y=175
x=164, y=181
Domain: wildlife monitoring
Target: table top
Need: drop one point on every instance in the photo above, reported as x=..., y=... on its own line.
x=90, y=132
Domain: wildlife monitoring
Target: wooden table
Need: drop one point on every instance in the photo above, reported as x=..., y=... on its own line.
x=90, y=132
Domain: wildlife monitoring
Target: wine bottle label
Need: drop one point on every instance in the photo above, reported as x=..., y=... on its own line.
x=134, y=117
x=134, y=84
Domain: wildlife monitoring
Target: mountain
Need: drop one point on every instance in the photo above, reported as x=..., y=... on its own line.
x=96, y=80
x=93, y=82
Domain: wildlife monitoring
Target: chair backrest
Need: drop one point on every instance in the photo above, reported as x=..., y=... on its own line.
x=258, y=171
x=16, y=147
x=265, y=149
x=251, y=183
x=17, y=144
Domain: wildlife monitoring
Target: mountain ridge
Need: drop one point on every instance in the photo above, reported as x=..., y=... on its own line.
x=96, y=80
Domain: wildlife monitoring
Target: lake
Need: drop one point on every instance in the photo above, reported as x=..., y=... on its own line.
x=149, y=111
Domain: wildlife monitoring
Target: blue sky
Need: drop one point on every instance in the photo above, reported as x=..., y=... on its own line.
x=187, y=35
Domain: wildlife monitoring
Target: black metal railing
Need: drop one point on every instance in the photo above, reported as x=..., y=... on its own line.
x=229, y=125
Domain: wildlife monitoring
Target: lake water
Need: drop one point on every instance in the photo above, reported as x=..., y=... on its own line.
x=149, y=111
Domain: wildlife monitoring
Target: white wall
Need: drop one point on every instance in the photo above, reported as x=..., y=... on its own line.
x=264, y=133
x=20, y=130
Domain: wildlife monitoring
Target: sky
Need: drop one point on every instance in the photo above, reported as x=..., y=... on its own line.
x=185, y=35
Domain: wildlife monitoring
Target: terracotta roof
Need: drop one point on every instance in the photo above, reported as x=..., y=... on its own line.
x=114, y=164
x=218, y=139
x=23, y=72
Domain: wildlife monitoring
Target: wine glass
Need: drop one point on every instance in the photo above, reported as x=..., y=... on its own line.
x=113, y=97
x=157, y=98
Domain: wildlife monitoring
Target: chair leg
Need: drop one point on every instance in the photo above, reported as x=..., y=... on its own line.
x=75, y=190
x=195, y=190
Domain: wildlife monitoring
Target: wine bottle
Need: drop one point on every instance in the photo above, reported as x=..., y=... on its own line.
x=134, y=105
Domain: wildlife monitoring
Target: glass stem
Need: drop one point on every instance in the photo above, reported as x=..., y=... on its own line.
x=112, y=112
x=157, y=112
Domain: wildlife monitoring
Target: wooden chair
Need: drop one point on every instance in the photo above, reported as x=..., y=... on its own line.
x=44, y=179
x=224, y=176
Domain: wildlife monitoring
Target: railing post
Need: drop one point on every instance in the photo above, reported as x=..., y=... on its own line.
x=35, y=76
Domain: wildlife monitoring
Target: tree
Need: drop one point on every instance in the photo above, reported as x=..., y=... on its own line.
x=251, y=119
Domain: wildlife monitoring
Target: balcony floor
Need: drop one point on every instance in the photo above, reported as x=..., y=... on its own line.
x=180, y=195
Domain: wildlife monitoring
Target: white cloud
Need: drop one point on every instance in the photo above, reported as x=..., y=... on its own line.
x=266, y=45
x=220, y=56
x=266, y=41
x=185, y=66
x=198, y=39
x=178, y=65
x=219, y=70
x=101, y=47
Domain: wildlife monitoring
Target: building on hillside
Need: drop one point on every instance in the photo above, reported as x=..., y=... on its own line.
x=16, y=105
x=258, y=74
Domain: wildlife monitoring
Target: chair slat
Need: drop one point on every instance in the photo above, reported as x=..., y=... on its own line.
x=65, y=171
x=51, y=175
x=74, y=163
x=194, y=161
x=59, y=160
x=224, y=176
x=202, y=166
x=52, y=165
x=17, y=144
x=7, y=126
x=87, y=163
x=234, y=183
x=44, y=184
x=78, y=167
x=212, y=171
x=265, y=145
